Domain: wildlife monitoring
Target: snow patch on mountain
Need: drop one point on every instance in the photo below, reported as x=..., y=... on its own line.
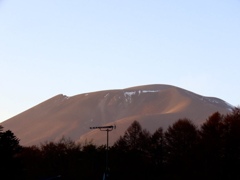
x=131, y=93
x=128, y=94
x=150, y=91
x=106, y=95
x=230, y=107
x=211, y=100
x=217, y=101
x=66, y=97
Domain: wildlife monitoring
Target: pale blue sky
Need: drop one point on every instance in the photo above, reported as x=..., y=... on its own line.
x=52, y=47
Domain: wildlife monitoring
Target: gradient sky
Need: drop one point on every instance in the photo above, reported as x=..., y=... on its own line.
x=52, y=47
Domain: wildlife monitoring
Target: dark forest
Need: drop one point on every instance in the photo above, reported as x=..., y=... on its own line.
x=182, y=151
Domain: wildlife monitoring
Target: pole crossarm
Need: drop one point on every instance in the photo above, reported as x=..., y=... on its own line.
x=104, y=128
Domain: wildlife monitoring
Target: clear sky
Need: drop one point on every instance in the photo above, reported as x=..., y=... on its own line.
x=52, y=47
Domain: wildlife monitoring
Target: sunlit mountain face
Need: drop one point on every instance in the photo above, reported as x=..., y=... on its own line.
x=153, y=106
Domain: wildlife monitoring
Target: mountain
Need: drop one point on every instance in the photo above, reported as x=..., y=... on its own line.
x=153, y=106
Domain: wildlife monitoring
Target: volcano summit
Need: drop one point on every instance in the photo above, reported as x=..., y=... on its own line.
x=153, y=106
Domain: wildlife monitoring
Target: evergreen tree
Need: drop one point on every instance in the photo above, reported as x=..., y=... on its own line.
x=9, y=149
x=211, y=134
x=231, y=137
x=132, y=149
x=157, y=152
x=181, y=144
x=135, y=138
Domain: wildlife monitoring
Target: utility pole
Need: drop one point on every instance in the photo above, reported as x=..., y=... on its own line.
x=107, y=129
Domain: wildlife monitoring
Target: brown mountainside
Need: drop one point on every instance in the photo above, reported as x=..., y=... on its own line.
x=153, y=106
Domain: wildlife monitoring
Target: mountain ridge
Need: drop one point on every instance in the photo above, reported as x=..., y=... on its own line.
x=153, y=106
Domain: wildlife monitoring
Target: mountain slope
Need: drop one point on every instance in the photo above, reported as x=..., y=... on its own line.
x=152, y=105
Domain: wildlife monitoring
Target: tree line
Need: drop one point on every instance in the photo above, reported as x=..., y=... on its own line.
x=182, y=151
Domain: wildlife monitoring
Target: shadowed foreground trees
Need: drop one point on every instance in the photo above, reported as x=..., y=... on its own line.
x=182, y=151
x=211, y=146
x=63, y=160
x=10, y=167
x=131, y=154
x=185, y=152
